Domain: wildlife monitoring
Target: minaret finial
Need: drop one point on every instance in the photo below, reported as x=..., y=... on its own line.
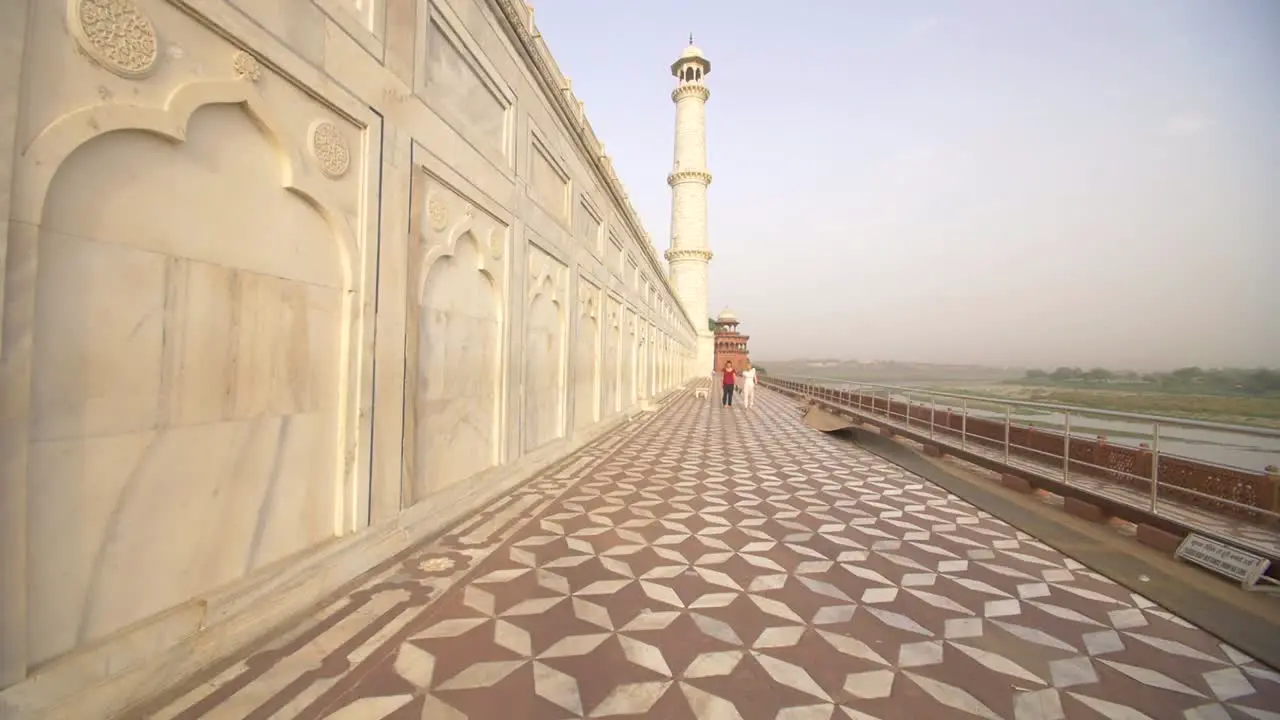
x=690, y=38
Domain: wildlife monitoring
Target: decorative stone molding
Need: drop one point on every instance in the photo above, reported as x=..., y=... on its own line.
x=116, y=34
x=329, y=149
x=685, y=91
x=437, y=213
x=519, y=18
x=684, y=176
x=246, y=66
x=678, y=254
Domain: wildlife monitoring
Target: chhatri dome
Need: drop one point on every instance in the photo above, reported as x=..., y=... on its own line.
x=727, y=317
x=692, y=53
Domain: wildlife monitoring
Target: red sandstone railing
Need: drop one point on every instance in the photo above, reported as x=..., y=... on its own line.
x=1242, y=493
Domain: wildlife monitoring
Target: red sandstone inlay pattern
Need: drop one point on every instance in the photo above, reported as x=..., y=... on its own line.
x=717, y=563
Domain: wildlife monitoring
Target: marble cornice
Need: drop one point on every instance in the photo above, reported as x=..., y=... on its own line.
x=518, y=17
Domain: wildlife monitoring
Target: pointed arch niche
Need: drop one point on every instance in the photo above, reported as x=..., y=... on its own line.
x=544, y=350
x=610, y=381
x=453, y=367
x=586, y=358
x=191, y=371
x=630, y=367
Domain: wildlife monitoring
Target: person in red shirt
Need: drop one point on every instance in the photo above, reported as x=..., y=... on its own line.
x=730, y=380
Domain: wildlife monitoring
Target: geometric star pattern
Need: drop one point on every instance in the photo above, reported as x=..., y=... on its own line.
x=732, y=563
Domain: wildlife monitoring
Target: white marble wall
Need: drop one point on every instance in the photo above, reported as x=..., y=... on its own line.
x=283, y=292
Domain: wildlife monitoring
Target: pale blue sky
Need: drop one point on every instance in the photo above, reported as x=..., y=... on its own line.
x=999, y=181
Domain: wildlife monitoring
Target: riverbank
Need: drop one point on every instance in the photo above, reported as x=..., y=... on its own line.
x=1236, y=410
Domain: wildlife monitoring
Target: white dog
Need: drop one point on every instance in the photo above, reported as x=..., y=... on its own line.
x=700, y=393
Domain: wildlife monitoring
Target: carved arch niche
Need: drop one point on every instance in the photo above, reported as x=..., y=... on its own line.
x=587, y=356
x=455, y=349
x=642, y=359
x=611, y=366
x=652, y=359
x=666, y=361
x=629, y=367
x=544, y=350
x=192, y=311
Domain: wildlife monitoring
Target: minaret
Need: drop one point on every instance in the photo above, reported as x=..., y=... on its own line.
x=690, y=253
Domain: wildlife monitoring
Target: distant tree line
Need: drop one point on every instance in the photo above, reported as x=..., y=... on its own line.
x=1258, y=381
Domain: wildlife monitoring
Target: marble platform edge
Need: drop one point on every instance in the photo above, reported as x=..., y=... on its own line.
x=1252, y=624
x=160, y=653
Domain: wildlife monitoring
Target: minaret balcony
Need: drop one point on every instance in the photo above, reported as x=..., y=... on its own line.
x=690, y=90
x=686, y=176
x=678, y=254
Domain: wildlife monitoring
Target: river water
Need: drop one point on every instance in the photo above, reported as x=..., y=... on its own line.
x=1231, y=449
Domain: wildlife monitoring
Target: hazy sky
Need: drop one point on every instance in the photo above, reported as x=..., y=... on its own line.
x=1052, y=182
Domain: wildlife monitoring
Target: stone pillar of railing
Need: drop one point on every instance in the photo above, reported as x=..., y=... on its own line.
x=1142, y=464
x=1273, y=480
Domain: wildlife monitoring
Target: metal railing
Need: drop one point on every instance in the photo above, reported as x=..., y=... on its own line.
x=1159, y=461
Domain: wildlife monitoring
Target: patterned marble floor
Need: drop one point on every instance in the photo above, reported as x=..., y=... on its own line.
x=712, y=563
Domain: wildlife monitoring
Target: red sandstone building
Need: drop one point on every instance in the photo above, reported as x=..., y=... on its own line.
x=731, y=345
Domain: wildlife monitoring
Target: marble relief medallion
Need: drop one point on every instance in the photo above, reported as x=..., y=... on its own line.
x=437, y=213
x=116, y=34
x=246, y=66
x=330, y=149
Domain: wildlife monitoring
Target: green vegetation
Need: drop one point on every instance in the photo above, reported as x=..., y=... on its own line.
x=1232, y=382
x=1239, y=409
x=1238, y=396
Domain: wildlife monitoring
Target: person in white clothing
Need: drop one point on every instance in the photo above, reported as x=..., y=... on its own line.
x=749, y=388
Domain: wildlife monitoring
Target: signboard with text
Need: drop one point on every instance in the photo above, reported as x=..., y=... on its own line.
x=1240, y=565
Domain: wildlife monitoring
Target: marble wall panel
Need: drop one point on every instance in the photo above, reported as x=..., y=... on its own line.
x=548, y=181
x=631, y=278
x=544, y=350
x=463, y=87
x=613, y=253
x=453, y=368
x=587, y=226
x=588, y=367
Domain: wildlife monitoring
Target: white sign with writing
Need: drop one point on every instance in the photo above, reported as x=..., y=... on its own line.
x=1240, y=565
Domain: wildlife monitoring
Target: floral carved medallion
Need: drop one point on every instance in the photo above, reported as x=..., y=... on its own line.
x=116, y=34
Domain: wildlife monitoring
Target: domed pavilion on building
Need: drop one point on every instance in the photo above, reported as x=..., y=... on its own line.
x=731, y=345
